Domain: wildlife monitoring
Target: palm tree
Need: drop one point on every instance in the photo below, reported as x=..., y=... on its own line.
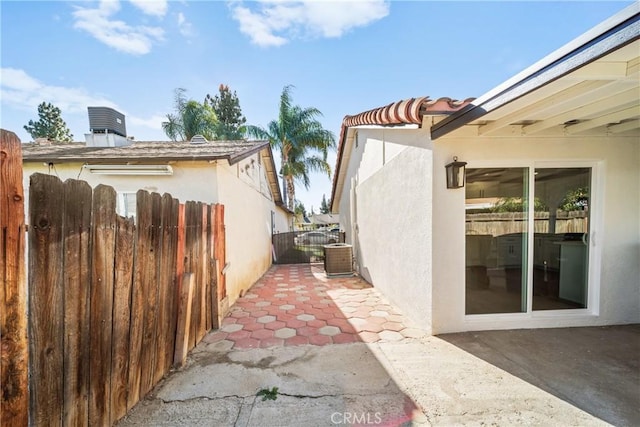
x=191, y=118
x=302, y=142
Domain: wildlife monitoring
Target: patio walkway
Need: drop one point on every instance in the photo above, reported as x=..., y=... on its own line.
x=380, y=370
x=297, y=305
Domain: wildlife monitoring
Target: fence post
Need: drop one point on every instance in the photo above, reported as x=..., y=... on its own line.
x=14, y=397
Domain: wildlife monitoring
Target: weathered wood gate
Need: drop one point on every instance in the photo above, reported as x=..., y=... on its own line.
x=113, y=302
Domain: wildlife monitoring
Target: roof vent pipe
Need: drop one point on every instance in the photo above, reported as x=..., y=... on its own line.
x=198, y=139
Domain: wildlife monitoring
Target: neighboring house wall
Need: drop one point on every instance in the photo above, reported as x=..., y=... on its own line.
x=190, y=180
x=384, y=210
x=283, y=221
x=614, y=258
x=248, y=205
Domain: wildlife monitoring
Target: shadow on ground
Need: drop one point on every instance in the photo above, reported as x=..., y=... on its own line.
x=596, y=369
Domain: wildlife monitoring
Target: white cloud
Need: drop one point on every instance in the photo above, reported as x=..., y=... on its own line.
x=153, y=122
x=186, y=29
x=276, y=22
x=135, y=40
x=21, y=91
x=151, y=7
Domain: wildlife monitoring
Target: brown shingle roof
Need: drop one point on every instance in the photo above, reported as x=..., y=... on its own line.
x=407, y=111
x=233, y=151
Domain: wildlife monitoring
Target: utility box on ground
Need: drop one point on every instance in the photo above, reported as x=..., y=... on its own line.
x=338, y=259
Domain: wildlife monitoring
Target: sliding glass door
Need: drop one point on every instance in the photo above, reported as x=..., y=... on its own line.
x=560, y=250
x=509, y=212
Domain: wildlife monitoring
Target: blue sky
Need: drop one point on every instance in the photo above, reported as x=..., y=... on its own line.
x=343, y=57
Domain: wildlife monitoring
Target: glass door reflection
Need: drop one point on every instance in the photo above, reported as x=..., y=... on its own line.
x=560, y=250
x=496, y=240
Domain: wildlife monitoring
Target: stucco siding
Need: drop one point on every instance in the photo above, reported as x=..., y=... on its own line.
x=385, y=211
x=190, y=180
x=248, y=226
x=283, y=221
x=615, y=237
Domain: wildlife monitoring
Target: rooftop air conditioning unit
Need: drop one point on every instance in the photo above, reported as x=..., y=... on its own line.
x=106, y=120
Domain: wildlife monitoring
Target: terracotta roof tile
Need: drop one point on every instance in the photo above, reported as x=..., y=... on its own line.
x=407, y=111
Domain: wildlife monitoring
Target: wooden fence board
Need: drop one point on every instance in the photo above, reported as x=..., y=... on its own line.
x=220, y=255
x=185, y=302
x=124, y=264
x=143, y=215
x=165, y=284
x=191, y=254
x=14, y=397
x=150, y=300
x=46, y=207
x=101, y=317
x=77, y=251
x=211, y=277
x=181, y=262
x=166, y=280
x=172, y=293
x=204, y=271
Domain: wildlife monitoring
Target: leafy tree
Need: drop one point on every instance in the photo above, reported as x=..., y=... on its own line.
x=517, y=204
x=301, y=140
x=190, y=118
x=49, y=124
x=227, y=108
x=577, y=199
x=300, y=209
x=324, y=205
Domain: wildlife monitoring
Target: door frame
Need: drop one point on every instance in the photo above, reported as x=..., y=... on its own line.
x=596, y=208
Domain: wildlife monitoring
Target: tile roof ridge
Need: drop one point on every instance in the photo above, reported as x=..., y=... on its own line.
x=406, y=111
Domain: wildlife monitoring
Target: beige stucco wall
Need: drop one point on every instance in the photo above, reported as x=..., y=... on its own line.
x=243, y=190
x=384, y=210
x=408, y=228
x=615, y=237
x=190, y=180
x=248, y=208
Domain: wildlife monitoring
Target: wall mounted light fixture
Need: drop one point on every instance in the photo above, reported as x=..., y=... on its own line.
x=130, y=169
x=456, y=173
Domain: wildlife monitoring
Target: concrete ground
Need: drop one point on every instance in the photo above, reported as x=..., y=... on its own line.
x=383, y=378
x=596, y=369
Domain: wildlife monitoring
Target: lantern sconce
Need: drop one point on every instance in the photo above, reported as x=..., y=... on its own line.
x=455, y=173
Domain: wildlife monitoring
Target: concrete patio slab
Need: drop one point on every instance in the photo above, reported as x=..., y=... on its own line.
x=596, y=369
x=354, y=369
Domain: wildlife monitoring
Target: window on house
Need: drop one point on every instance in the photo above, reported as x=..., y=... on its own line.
x=126, y=204
x=527, y=245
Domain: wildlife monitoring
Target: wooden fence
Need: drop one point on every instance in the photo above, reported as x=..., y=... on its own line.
x=109, y=311
x=14, y=394
x=113, y=302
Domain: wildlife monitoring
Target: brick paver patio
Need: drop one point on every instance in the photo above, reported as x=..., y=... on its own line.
x=298, y=304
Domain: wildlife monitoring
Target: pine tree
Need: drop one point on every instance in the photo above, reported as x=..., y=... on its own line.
x=324, y=205
x=49, y=124
x=300, y=209
x=230, y=119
